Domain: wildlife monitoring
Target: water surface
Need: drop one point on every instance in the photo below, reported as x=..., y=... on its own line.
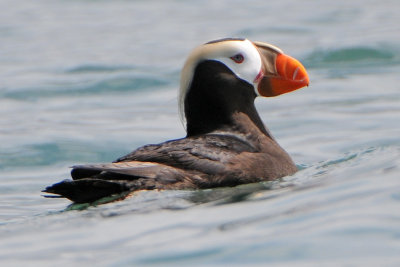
x=88, y=81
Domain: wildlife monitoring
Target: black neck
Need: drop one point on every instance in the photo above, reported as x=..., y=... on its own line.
x=216, y=98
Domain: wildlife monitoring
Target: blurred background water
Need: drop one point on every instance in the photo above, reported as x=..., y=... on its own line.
x=88, y=81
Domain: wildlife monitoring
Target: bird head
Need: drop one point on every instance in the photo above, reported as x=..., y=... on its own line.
x=264, y=66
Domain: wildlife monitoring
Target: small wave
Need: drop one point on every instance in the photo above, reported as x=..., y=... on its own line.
x=98, y=68
x=122, y=84
x=279, y=30
x=365, y=57
x=50, y=153
x=107, y=86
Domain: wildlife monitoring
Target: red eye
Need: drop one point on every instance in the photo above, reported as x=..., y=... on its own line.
x=238, y=58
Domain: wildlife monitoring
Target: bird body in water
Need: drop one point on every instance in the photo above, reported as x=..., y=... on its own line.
x=227, y=143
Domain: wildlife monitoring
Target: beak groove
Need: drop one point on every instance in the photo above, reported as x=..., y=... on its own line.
x=292, y=71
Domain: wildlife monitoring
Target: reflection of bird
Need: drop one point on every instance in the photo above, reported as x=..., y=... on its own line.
x=226, y=143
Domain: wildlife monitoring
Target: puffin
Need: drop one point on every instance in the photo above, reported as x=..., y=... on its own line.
x=226, y=144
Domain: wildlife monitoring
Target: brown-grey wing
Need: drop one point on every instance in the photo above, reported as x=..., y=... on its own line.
x=208, y=154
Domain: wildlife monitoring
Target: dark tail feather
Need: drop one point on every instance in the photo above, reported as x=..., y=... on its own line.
x=87, y=190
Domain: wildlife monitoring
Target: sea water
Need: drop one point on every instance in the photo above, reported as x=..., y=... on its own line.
x=88, y=81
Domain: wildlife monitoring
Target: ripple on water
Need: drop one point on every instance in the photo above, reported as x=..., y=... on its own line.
x=88, y=68
x=352, y=60
x=84, y=80
x=112, y=85
x=46, y=154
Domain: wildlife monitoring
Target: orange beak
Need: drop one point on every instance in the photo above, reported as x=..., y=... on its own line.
x=280, y=73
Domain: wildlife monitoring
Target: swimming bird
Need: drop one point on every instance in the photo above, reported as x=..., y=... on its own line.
x=226, y=144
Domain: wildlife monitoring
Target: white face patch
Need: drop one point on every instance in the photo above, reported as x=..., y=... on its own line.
x=240, y=56
x=249, y=67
